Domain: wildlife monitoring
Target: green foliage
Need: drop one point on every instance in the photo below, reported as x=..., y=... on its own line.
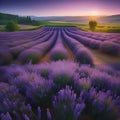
x=58, y=56
x=5, y=18
x=8, y=17
x=34, y=57
x=62, y=80
x=92, y=25
x=26, y=57
x=44, y=73
x=11, y=26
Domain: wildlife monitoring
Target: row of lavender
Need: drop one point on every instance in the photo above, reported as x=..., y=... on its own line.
x=59, y=52
x=114, y=37
x=13, y=39
x=31, y=44
x=81, y=53
x=60, y=90
x=106, y=42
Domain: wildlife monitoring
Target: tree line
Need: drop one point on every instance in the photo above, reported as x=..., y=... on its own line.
x=5, y=18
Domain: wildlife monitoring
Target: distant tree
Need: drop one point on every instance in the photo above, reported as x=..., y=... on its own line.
x=28, y=19
x=12, y=26
x=92, y=25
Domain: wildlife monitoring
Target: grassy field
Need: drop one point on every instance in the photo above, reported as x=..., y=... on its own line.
x=110, y=27
x=22, y=27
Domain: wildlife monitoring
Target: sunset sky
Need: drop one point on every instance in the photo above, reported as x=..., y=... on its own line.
x=60, y=7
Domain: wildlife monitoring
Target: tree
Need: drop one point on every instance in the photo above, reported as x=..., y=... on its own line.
x=12, y=26
x=28, y=19
x=92, y=25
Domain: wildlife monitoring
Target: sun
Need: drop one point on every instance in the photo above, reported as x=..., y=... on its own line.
x=94, y=13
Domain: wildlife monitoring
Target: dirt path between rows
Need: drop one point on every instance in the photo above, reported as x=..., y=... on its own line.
x=70, y=53
x=45, y=58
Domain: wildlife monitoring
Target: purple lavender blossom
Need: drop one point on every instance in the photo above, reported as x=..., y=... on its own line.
x=49, y=114
x=6, y=116
x=5, y=57
x=39, y=91
x=39, y=113
x=101, y=80
x=63, y=75
x=26, y=117
x=110, y=48
x=28, y=55
x=66, y=106
x=83, y=56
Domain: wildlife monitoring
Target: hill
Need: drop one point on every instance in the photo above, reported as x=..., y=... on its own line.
x=80, y=19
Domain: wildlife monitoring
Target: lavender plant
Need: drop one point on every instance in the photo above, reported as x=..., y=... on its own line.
x=110, y=48
x=40, y=91
x=27, y=56
x=63, y=75
x=66, y=106
x=5, y=57
x=99, y=105
x=83, y=56
x=59, y=51
x=11, y=102
x=101, y=80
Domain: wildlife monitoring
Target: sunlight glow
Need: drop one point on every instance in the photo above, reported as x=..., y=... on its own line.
x=95, y=13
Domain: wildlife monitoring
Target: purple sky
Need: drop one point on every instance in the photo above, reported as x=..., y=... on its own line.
x=60, y=7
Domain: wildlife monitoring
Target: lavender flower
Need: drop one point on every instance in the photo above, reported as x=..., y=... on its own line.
x=49, y=114
x=82, y=84
x=5, y=57
x=39, y=113
x=100, y=105
x=28, y=55
x=12, y=101
x=103, y=107
x=44, y=70
x=110, y=48
x=39, y=91
x=63, y=75
x=26, y=117
x=6, y=116
x=66, y=106
x=83, y=56
x=101, y=80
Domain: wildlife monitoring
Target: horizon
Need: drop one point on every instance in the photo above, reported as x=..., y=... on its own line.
x=52, y=8
x=59, y=16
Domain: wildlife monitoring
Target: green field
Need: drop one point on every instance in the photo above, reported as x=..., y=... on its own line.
x=22, y=27
x=102, y=27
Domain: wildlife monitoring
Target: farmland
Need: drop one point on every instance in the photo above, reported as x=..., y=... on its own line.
x=62, y=41
x=59, y=73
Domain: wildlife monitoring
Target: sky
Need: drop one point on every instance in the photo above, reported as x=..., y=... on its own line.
x=60, y=7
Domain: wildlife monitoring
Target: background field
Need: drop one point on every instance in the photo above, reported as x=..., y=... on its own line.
x=105, y=23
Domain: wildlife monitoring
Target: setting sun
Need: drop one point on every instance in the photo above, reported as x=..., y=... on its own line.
x=95, y=13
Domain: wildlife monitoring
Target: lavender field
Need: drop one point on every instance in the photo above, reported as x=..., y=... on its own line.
x=51, y=74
